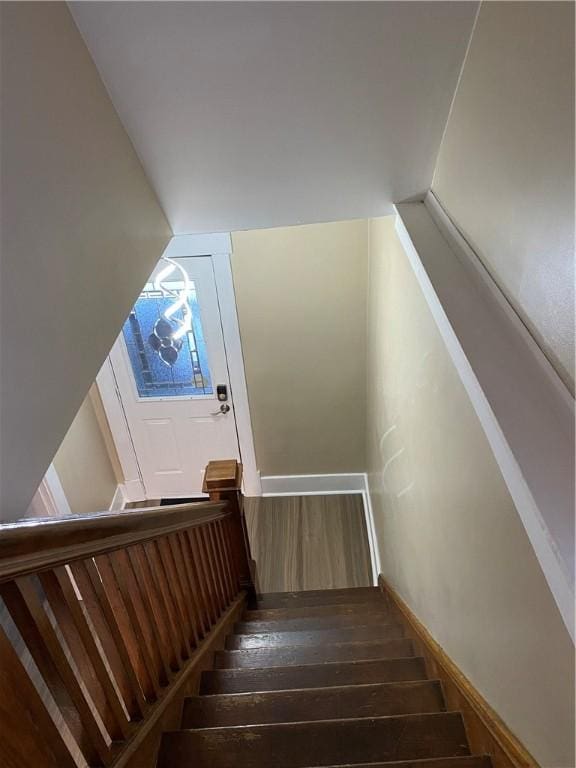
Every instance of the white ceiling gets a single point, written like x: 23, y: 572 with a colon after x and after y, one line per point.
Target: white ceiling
x: 253, y: 115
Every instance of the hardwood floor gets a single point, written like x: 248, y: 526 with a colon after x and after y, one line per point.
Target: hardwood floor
x: 309, y: 542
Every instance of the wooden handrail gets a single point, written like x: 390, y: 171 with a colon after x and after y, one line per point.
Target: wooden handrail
x: 33, y: 545
x: 115, y: 609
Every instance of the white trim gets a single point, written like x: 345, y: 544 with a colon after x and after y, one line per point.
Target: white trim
x: 311, y: 485
x: 50, y: 499
x: 181, y: 246
x: 471, y: 308
x: 236, y: 372
x: 52, y: 484
x: 455, y: 91
x: 328, y: 485
x: 119, y: 499
x: 371, y: 530
x: 106, y: 382
x: 473, y: 264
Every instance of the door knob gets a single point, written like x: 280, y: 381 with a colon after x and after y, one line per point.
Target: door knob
x: 224, y: 408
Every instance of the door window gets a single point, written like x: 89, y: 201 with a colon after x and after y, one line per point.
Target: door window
x: 165, y: 340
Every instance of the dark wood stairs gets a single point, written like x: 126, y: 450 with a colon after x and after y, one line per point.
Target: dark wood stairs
x: 323, y: 678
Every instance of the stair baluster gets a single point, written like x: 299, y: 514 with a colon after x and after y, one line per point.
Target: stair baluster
x: 103, y: 620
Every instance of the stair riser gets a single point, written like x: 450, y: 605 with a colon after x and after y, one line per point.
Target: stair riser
x: 320, y: 637
x: 314, y: 704
x: 282, y: 657
x: 359, y: 610
x: 312, y: 676
x: 321, y: 600
x: 326, y: 593
x: 297, y: 745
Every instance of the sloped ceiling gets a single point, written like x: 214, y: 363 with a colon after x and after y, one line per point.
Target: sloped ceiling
x: 253, y: 115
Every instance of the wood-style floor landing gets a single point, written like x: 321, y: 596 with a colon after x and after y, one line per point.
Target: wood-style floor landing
x: 309, y: 542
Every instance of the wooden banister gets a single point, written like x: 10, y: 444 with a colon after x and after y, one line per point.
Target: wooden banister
x: 33, y: 545
x: 223, y: 483
x: 114, y: 610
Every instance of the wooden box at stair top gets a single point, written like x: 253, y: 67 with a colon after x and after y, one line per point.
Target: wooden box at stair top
x: 222, y: 475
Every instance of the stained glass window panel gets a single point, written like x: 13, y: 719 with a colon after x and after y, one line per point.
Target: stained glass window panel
x: 189, y: 376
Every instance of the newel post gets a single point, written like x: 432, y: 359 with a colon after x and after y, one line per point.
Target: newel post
x: 223, y: 482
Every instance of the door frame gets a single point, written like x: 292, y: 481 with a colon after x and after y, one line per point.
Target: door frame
x: 219, y: 248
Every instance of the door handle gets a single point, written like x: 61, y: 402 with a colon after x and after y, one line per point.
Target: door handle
x: 224, y: 408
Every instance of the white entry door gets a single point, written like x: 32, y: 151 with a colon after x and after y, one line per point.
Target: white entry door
x: 171, y: 372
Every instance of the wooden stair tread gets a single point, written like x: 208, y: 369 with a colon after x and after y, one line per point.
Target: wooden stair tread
x: 337, y: 702
x: 312, y: 675
x: 315, y: 654
x: 320, y: 597
x: 320, y: 743
x: 319, y: 680
x: 314, y: 637
x: 305, y: 623
x: 466, y: 761
x: 378, y: 607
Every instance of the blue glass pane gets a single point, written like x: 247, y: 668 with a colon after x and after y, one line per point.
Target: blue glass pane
x: 189, y: 375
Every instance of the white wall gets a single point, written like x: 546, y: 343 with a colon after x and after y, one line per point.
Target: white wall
x: 301, y: 298
x: 81, y: 232
x: 451, y: 541
x: 505, y: 171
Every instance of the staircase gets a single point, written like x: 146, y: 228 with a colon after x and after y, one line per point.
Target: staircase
x: 323, y: 678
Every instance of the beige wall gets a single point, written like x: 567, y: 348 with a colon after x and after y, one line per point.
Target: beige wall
x: 301, y: 297
x: 451, y: 541
x: 81, y: 231
x: 505, y: 171
x: 83, y: 464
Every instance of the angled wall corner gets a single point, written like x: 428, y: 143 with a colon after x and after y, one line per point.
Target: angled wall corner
x: 505, y: 169
x: 524, y: 409
x: 84, y: 465
x: 301, y: 297
x: 82, y: 230
x: 451, y: 538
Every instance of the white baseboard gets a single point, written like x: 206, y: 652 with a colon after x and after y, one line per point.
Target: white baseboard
x: 304, y: 485
x: 371, y: 530
x: 320, y: 485
x: 119, y: 499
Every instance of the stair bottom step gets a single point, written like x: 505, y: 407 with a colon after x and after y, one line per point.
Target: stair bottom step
x: 321, y: 743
